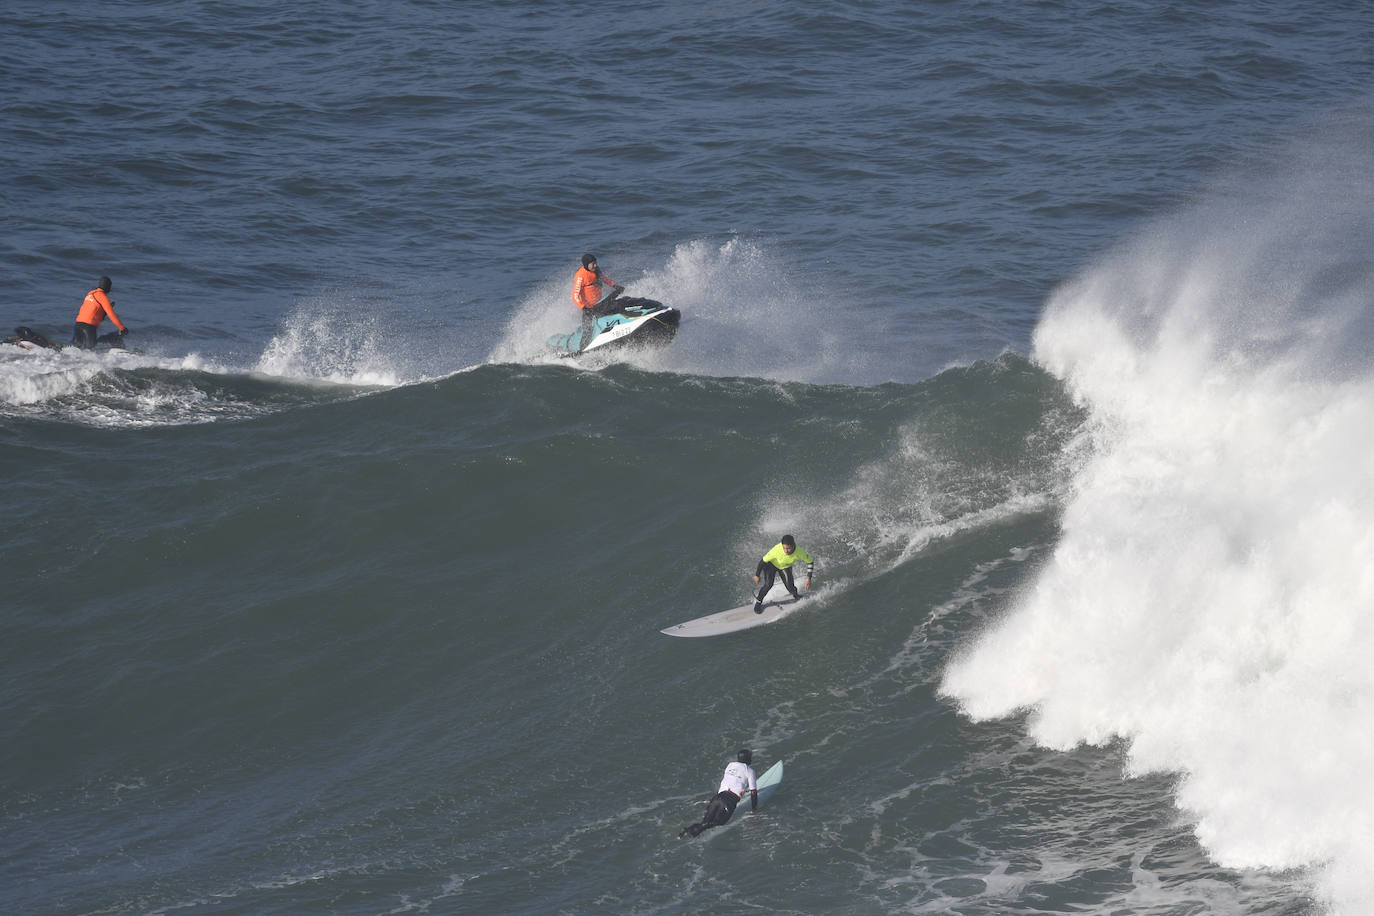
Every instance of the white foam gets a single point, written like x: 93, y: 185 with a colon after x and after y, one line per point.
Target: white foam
x: 1212, y: 597
x: 35, y: 377
x: 321, y: 342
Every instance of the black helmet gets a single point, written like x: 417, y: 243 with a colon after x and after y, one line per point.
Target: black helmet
x: 789, y: 541
x: 588, y: 260
x: 103, y: 284
x: 745, y: 756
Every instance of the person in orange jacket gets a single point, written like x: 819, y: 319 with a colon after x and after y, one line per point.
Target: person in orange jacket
x: 586, y: 295
x: 94, y: 308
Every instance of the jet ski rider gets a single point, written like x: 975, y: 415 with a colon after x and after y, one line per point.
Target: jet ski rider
x: 94, y: 308
x: 586, y: 295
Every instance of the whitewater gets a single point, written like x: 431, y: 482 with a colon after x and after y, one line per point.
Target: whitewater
x: 1209, y: 600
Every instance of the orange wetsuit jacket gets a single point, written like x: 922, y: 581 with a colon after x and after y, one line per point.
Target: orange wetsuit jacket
x: 587, y: 288
x: 95, y: 307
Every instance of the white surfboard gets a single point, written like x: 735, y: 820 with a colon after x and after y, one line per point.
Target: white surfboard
x: 739, y: 618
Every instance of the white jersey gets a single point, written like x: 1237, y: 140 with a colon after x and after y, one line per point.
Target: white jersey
x: 739, y: 777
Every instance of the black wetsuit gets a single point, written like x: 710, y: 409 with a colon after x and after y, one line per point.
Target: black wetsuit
x: 766, y: 573
x: 84, y: 336
x: 719, y: 810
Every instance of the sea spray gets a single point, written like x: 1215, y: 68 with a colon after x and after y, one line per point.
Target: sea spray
x: 1210, y: 598
x: 973, y: 449
x: 746, y: 311
x: 324, y: 339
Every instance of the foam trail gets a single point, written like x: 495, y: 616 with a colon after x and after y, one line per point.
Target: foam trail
x: 1211, y: 599
x: 92, y: 388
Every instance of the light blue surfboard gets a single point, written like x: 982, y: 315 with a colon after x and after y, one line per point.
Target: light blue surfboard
x: 768, y: 783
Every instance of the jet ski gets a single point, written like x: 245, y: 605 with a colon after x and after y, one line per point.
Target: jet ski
x: 635, y: 323
x: 29, y: 339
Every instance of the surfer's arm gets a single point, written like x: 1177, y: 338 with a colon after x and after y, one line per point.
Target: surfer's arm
x: 115, y: 318
x: 753, y: 799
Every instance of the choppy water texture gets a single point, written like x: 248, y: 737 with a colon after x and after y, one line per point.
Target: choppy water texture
x: 1045, y: 327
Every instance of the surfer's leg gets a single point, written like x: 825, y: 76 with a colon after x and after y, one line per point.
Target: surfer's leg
x: 765, y: 583
x: 728, y: 802
x: 707, y: 820
x: 588, y: 327
x: 787, y: 581
x: 718, y: 812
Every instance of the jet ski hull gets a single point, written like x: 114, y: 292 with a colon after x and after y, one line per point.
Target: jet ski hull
x: 638, y: 323
x: 28, y: 339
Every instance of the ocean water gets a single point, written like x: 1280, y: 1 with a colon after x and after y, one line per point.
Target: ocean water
x: 1045, y: 327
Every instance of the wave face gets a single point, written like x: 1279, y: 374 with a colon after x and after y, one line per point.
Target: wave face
x: 390, y: 647
x: 1209, y: 600
x: 344, y: 639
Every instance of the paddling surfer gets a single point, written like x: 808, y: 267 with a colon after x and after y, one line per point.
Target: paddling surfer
x: 738, y: 777
x: 780, y: 560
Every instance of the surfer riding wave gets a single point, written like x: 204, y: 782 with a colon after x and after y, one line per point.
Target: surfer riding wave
x: 779, y: 561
